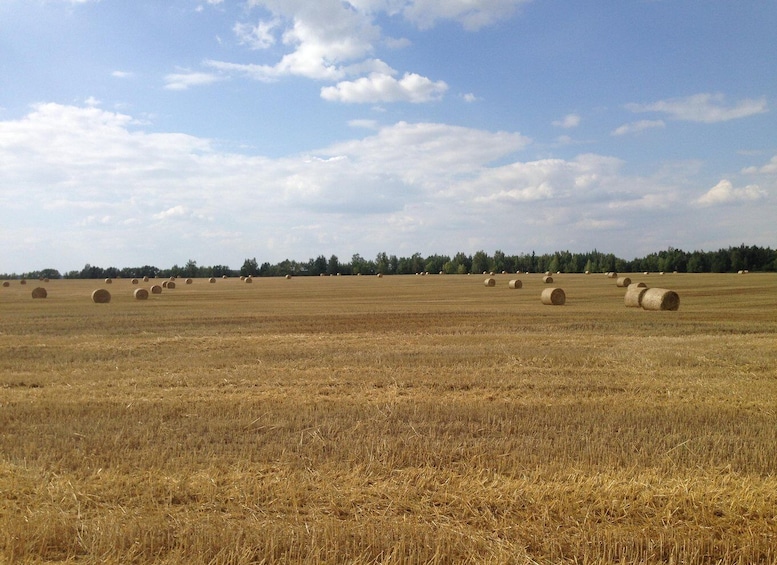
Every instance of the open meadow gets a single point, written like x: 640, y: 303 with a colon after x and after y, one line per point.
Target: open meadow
x: 402, y: 419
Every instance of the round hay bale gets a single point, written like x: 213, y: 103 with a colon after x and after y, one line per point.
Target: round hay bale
x: 108, y: 281
x: 612, y: 275
x: 547, y: 279
x: 156, y: 289
x: 380, y: 275
x: 660, y: 299
x: 515, y: 283
x: 553, y: 297
x: 548, y: 273
x: 145, y: 279
x: 223, y: 276
x: 623, y: 282
x: 39, y: 292
x: 489, y: 282
x: 140, y: 294
x: 22, y: 281
x: 165, y: 283
x: 249, y: 280
x: 170, y: 284
x: 46, y: 280
x: 6, y: 284
x: 189, y: 281
x: 212, y: 280
x: 289, y: 276
x: 135, y: 281
x: 101, y: 296
x: 638, y: 285
x: 634, y: 295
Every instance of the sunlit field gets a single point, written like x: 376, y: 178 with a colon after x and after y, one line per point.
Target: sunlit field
x: 403, y: 419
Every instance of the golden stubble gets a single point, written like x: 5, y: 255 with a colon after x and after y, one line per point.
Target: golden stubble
x: 403, y: 419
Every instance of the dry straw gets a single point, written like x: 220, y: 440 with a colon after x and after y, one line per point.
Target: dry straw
x: 156, y: 289
x: 101, y: 296
x: 39, y: 292
x: 165, y: 283
x: 553, y: 297
x: 634, y: 294
x: 212, y: 280
x: 189, y: 281
x: 140, y: 294
x: 249, y: 280
x: 515, y: 283
x: 612, y: 275
x: 170, y: 284
x: 660, y: 299
x: 623, y: 282
x: 108, y: 281
x: 6, y: 284
x: 547, y: 279
x: 489, y: 282
x: 135, y: 281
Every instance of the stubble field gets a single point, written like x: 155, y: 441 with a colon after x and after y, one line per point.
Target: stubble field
x: 403, y: 419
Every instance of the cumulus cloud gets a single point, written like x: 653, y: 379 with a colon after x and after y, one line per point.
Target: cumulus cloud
x: 379, y: 87
x: 256, y: 36
x: 725, y: 193
x: 569, y: 121
x: 768, y: 169
x: 183, y: 81
x: 705, y: 108
x: 636, y: 127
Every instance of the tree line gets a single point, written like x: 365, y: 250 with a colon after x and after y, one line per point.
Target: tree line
x: 732, y: 259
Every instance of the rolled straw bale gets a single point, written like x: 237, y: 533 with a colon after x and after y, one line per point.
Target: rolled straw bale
x: 165, y: 283
x: 660, y: 299
x: 108, y: 281
x: 101, y: 296
x: 170, y: 284
x: 140, y: 294
x: 212, y: 280
x: 223, y: 276
x: 189, y: 281
x: 156, y: 289
x: 548, y: 273
x: 515, y: 283
x: 249, y: 280
x: 135, y: 281
x: 623, y: 282
x: 289, y: 276
x: 489, y: 282
x: 380, y: 275
x: 6, y: 284
x: 39, y: 292
x: 145, y: 279
x: 634, y: 294
x: 553, y: 297
x: 612, y: 275
x: 547, y: 279
x: 22, y: 281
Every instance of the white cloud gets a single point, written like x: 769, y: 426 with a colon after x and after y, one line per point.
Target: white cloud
x: 259, y: 36
x: 569, y: 121
x: 470, y: 97
x: 182, y: 81
x: 725, y: 193
x: 768, y: 169
x: 122, y: 74
x: 705, y: 108
x: 636, y: 127
x: 378, y: 87
x: 472, y: 14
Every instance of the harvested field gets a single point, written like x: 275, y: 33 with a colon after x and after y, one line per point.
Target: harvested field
x: 401, y: 420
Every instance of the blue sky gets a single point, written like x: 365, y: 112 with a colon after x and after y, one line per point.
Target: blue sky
x: 140, y: 132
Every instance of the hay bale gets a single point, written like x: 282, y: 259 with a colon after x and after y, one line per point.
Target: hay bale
x: 145, y: 279
x: 140, y: 294
x: 156, y: 289
x: 108, y: 281
x: 612, y: 275
x: 515, y: 283
x: 489, y: 282
x: 223, y: 276
x: 22, y: 281
x: 249, y: 280
x: 135, y: 281
x: 46, y: 280
x: 39, y: 292
x: 553, y: 297
x: 101, y: 296
x: 637, y: 285
x: 634, y: 295
x: 623, y: 282
x: 289, y: 276
x: 165, y: 283
x: 380, y: 275
x: 6, y: 284
x: 548, y: 273
x: 660, y: 299
x: 547, y: 279
x: 212, y: 280
x: 189, y: 281
x: 170, y: 284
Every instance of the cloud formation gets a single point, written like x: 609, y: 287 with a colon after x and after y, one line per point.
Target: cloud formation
x: 725, y: 193
x: 704, y: 108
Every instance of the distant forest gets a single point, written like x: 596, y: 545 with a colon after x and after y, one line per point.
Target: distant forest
x: 733, y: 259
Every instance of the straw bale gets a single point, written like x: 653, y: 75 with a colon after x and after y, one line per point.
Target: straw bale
x: 39, y: 292
x: 553, y: 297
x: 170, y: 284
x: 634, y: 294
x: 623, y: 282
x: 212, y: 280
x: 547, y: 279
x: 22, y: 281
x: 145, y: 279
x: 660, y: 299
x: 101, y: 296
x: 189, y: 281
x: 135, y: 281
x: 249, y: 280
x: 108, y: 281
x: 489, y: 282
x: 165, y: 283
x: 515, y: 283
x: 6, y: 284
x: 156, y: 289
x: 140, y: 294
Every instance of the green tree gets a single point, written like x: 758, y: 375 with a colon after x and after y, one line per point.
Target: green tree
x: 333, y: 266
x: 250, y: 267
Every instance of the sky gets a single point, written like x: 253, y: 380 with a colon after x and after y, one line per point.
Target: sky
x: 151, y: 132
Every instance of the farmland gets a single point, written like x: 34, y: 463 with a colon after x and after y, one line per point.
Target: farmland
x: 403, y: 419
